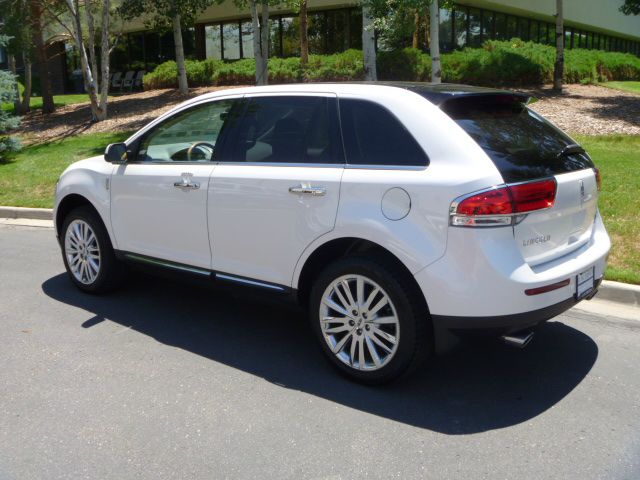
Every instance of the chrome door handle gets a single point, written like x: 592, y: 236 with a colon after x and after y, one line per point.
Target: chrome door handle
x: 308, y: 190
x: 187, y: 185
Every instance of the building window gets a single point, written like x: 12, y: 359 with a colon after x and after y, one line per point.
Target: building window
x: 475, y: 32
x: 246, y: 33
x: 460, y: 17
x: 231, y: 41
x: 212, y: 41
x: 446, y: 29
x: 500, y: 26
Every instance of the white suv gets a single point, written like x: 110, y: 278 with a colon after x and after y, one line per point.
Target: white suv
x: 395, y: 212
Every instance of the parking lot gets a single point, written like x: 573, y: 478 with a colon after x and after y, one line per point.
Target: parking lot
x: 169, y: 380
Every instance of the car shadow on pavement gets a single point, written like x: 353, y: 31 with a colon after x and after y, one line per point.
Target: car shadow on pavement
x: 483, y: 386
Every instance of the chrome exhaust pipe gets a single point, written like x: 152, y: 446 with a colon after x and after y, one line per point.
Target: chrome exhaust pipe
x: 518, y: 339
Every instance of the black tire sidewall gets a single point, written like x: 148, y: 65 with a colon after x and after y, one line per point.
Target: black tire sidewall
x: 408, y: 317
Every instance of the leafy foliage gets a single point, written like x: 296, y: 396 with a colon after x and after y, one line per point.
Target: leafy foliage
x: 506, y: 63
x: 7, y: 121
x: 631, y: 7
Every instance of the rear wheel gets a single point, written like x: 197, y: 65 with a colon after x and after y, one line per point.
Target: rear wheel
x: 87, y: 252
x: 369, y: 319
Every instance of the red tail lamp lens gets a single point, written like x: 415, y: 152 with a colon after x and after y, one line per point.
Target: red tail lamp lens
x: 492, y: 202
x: 528, y: 197
x: 512, y: 199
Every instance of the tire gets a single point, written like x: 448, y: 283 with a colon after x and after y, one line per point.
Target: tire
x: 83, y: 238
x: 404, y: 317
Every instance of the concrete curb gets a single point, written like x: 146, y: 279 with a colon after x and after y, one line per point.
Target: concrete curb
x: 611, y: 291
x: 619, y: 293
x: 30, y: 213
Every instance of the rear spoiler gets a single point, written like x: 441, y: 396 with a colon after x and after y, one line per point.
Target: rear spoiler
x: 455, y: 102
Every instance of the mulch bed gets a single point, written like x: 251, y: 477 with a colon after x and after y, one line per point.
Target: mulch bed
x: 581, y: 109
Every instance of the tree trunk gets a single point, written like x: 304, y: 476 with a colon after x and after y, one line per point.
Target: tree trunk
x: 304, y: 33
x: 89, y: 80
x: 17, y: 106
x: 415, y: 42
x: 105, y: 53
x: 255, y: 21
x: 558, y: 71
x: 434, y: 42
x: 183, y: 86
x: 368, y: 45
x: 264, y: 42
x: 91, y: 38
x: 41, y: 56
x: 26, y: 95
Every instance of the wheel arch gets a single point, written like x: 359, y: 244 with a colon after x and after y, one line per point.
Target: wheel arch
x: 70, y: 202
x: 343, y: 247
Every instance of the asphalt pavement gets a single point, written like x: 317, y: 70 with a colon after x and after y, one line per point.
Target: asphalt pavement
x: 164, y: 380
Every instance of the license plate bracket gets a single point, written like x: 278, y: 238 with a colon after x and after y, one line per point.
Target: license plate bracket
x: 585, y: 283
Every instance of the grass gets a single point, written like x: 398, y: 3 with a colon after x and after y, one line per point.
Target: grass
x: 28, y: 180
x: 618, y: 158
x: 58, y: 100
x: 633, y: 87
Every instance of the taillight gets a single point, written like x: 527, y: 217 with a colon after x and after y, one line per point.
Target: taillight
x: 598, y: 178
x: 500, y: 205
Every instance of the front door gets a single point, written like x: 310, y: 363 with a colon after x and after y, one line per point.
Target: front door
x: 276, y: 186
x: 159, y: 198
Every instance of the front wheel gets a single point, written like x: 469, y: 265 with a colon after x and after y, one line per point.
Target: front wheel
x: 87, y: 252
x: 369, y: 319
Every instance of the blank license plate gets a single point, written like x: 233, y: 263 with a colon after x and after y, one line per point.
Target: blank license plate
x: 584, y: 282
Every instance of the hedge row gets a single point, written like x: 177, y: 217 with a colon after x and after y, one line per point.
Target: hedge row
x: 508, y: 63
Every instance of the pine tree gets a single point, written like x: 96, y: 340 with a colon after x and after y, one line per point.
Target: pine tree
x: 7, y: 121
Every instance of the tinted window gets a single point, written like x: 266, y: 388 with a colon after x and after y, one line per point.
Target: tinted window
x: 187, y: 136
x: 522, y: 144
x: 373, y: 136
x: 287, y: 129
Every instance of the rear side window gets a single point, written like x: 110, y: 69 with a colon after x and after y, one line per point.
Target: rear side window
x: 522, y: 144
x: 288, y: 129
x: 374, y: 136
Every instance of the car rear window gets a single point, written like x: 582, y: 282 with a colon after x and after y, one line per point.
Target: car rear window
x: 522, y: 144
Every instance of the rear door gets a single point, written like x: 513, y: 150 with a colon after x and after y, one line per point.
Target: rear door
x: 525, y: 147
x: 276, y: 186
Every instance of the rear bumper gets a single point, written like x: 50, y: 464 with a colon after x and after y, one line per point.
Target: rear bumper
x: 481, y: 280
x: 503, y: 324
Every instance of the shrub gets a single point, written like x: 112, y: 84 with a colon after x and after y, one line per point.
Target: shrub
x: 497, y: 63
x: 199, y: 73
x: 408, y: 64
x: 339, y: 67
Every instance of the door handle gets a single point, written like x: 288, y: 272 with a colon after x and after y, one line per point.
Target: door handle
x: 187, y: 185
x: 308, y: 190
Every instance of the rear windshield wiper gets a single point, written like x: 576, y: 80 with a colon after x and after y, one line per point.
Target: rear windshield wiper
x: 571, y: 149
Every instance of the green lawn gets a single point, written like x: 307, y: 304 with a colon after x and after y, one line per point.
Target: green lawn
x: 618, y: 158
x: 28, y: 180
x: 633, y: 87
x: 58, y: 100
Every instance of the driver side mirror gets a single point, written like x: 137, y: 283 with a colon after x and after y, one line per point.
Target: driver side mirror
x: 116, y: 153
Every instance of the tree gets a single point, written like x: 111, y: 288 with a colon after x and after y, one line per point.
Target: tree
x: 17, y: 27
x: 369, y: 43
x: 558, y: 71
x: 165, y: 14
x: 631, y: 7
x: 304, y: 33
x: 434, y: 41
x: 7, y: 121
x: 97, y: 87
x: 37, y: 31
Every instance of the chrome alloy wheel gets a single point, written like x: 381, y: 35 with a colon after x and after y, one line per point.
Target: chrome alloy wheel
x: 359, y: 322
x: 83, y: 251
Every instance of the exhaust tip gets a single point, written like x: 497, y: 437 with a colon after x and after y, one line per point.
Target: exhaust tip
x: 518, y: 339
